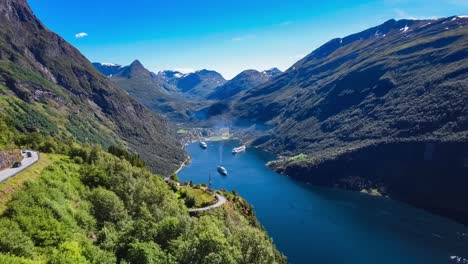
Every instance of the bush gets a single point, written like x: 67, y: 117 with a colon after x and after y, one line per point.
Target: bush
x: 189, y: 201
x: 174, y: 177
x: 107, y: 206
x: 120, y: 152
x: 147, y: 253
x: 94, y: 176
x: 13, y: 240
x: 14, y: 260
x: 68, y: 253
x: 78, y: 160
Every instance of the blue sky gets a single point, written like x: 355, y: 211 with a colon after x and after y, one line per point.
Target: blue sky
x: 224, y: 35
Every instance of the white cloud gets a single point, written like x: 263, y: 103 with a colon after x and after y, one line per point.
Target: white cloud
x: 81, y: 35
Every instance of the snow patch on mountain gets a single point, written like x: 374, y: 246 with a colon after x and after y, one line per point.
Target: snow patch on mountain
x: 404, y: 29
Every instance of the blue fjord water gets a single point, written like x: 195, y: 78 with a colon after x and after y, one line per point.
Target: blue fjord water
x: 319, y: 225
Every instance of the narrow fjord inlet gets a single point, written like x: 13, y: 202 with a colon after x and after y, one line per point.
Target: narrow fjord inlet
x: 326, y: 225
x: 234, y: 132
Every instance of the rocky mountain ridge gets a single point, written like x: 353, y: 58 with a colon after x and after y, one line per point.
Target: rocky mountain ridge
x: 48, y: 86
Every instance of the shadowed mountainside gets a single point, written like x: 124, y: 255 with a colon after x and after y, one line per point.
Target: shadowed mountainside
x: 381, y: 91
x: 244, y: 81
x: 48, y: 86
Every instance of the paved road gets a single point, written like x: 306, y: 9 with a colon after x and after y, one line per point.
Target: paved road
x: 8, y: 173
x: 221, y: 200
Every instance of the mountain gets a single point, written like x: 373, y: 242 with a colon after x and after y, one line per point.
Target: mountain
x: 198, y: 84
x: 381, y: 109
x: 171, y: 77
x: 107, y: 69
x: 152, y: 90
x: 244, y: 81
x: 48, y: 86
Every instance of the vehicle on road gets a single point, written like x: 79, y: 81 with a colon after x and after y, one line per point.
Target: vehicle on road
x: 17, y: 164
x: 28, y: 154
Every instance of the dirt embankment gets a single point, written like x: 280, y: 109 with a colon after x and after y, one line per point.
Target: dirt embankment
x: 8, y: 157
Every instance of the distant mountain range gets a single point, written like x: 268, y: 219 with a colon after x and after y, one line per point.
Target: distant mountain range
x: 246, y: 80
x: 198, y: 84
x: 177, y: 95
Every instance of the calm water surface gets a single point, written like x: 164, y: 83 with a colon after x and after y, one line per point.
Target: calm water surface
x: 318, y: 225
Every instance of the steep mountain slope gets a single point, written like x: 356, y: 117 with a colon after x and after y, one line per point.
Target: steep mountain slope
x: 200, y: 83
x: 384, y: 108
x: 242, y: 82
x: 46, y: 85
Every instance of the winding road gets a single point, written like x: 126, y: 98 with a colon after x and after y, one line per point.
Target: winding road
x: 26, y: 162
x: 221, y: 200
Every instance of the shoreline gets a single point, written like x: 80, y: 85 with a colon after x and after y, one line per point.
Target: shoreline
x: 184, y: 164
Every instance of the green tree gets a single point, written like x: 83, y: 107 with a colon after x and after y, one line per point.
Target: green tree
x: 170, y: 228
x: 107, y: 206
x: 68, y: 253
x: 205, y: 244
x: 94, y: 176
x: 255, y: 247
x: 189, y: 201
x: 147, y: 253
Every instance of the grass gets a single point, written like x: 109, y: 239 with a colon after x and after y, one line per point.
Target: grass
x: 374, y: 192
x: 300, y: 157
x: 202, y: 198
x: 224, y: 136
x: 16, y: 183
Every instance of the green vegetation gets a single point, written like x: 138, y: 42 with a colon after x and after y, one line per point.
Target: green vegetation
x: 82, y: 204
x: 300, y: 157
x: 196, y: 197
x: 14, y: 184
x: 182, y: 131
x: 224, y: 136
x: 120, y: 152
x: 93, y: 206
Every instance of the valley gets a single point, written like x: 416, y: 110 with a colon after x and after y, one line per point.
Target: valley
x: 357, y: 152
x: 383, y: 109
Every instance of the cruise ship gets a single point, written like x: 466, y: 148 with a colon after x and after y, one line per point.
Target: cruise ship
x: 222, y: 170
x: 203, y: 145
x: 238, y: 149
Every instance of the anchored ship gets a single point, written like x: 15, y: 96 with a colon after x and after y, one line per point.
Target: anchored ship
x: 238, y: 150
x: 222, y: 170
x: 203, y: 145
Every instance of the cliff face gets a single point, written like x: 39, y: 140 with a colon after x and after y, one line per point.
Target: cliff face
x: 61, y: 93
x: 362, y: 109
